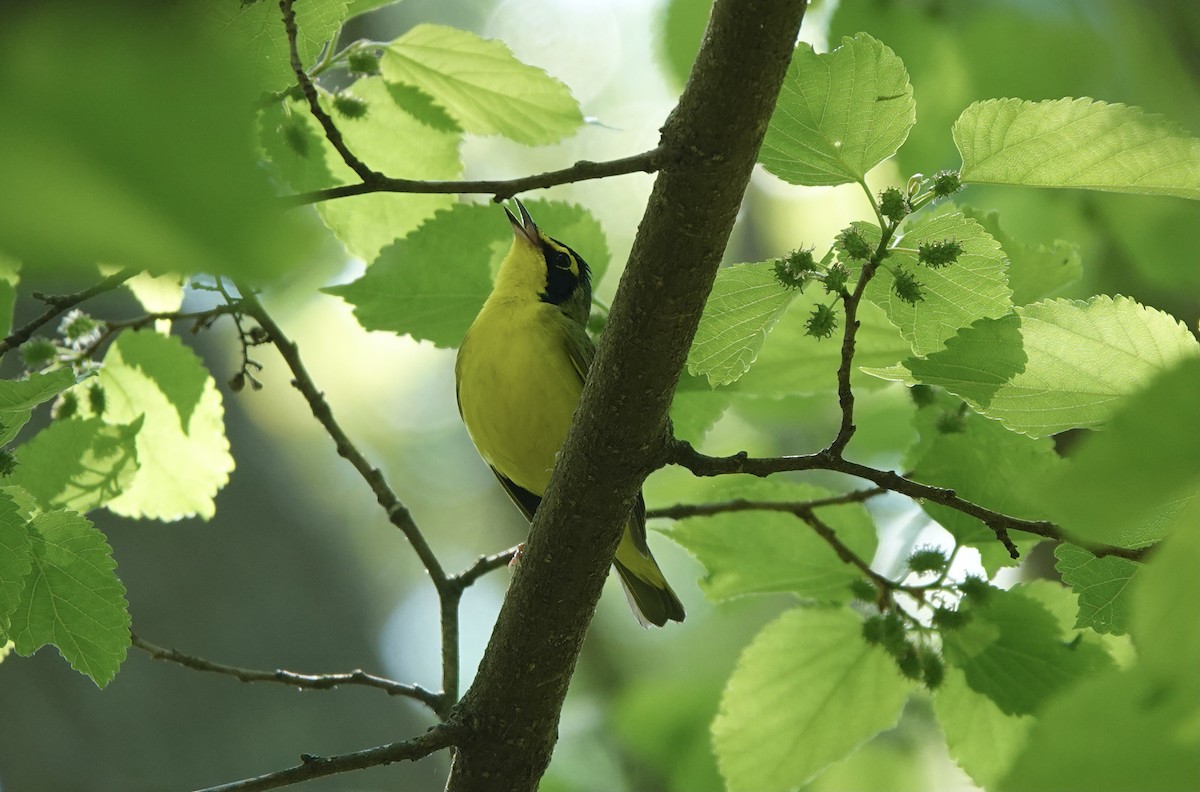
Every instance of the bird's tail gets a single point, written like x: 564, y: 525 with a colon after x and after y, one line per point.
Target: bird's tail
x: 650, y: 596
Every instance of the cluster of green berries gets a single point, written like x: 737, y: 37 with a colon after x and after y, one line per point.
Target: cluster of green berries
x: 890, y: 628
x: 796, y: 269
x: 914, y: 661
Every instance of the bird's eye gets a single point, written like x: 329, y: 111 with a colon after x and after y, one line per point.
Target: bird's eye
x: 559, y: 260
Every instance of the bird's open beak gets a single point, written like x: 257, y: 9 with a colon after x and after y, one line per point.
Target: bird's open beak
x: 523, y: 228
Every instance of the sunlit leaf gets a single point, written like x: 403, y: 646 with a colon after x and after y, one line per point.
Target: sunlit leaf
x: 956, y: 295
x: 1079, y: 143
x: 756, y: 552
x: 77, y: 464
x: 72, y: 597
x: 1055, y: 365
x: 839, y: 114
x: 804, y: 694
x: 181, y: 466
x: 745, y: 303
x: 482, y: 85
x: 792, y: 362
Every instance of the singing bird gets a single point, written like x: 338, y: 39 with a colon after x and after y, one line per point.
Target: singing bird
x: 519, y: 375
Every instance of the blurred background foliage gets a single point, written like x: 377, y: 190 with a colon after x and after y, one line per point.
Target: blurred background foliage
x: 300, y: 570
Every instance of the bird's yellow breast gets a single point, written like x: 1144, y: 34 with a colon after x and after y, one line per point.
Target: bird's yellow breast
x: 517, y: 388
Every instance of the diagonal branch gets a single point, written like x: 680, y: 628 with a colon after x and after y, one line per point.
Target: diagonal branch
x: 499, y: 189
x: 513, y: 707
x: 849, y: 336
x: 332, y: 134
x: 303, y: 382
x: 60, y: 303
x: 306, y: 681
x: 682, y: 453
x: 449, y: 593
x: 684, y: 510
x: 437, y: 738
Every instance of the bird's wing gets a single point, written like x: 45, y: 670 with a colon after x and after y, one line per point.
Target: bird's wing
x: 525, y: 500
x: 581, y: 351
x: 579, y: 347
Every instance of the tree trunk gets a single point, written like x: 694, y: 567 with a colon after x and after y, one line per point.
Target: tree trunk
x: 712, y: 139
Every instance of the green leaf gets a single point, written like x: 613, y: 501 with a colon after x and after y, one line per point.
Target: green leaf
x: 157, y: 294
x: 78, y: 464
x: 170, y: 364
x: 181, y: 467
x: 257, y: 29
x: 839, y: 114
x: 410, y: 289
x: 1013, y: 651
x: 1164, y: 596
x: 1124, y: 484
x: 745, y: 303
x: 696, y: 407
x: 144, y: 158
x: 981, y: 738
x: 37, y: 388
x: 1079, y: 143
x: 757, y: 552
x: 16, y: 559
x: 482, y: 85
x: 792, y: 362
x: 956, y: 295
x: 421, y: 106
x: 1113, y: 733
x: 72, y: 597
x: 683, y: 24
x: 804, y: 694
x: 1035, y: 272
x: 8, y: 292
x: 1102, y: 585
x: 1055, y: 365
x: 988, y: 465
x: 296, y: 146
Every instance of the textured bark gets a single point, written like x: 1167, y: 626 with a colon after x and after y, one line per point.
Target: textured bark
x: 711, y: 141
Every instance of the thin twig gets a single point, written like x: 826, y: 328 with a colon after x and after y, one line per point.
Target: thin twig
x: 306, y: 681
x: 438, y: 737
x: 849, y: 335
x: 682, y: 453
x: 448, y: 593
x: 499, y: 189
x: 314, y: 102
x: 884, y: 585
x: 684, y: 510
x: 114, y: 327
x: 57, y: 304
x: 303, y: 382
x: 482, y: 566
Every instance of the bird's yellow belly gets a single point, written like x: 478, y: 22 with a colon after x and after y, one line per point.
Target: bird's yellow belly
x: 518, y: 391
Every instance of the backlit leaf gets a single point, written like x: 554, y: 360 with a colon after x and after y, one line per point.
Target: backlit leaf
x: 839, y: 114
x: 1079, y: 143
